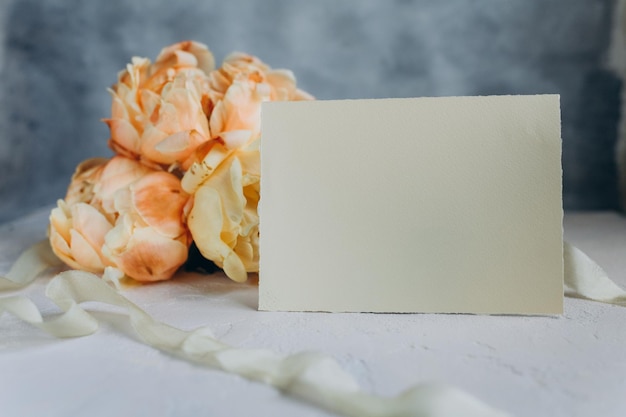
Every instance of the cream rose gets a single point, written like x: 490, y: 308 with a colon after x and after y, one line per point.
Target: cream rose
x: 223, y: 175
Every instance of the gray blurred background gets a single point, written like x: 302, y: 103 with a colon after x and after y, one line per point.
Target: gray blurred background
x: 57, y: 57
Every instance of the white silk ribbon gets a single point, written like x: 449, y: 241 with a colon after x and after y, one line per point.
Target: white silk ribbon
x: 587, y: 279
x: 29, y: 265
x: 312, y: 377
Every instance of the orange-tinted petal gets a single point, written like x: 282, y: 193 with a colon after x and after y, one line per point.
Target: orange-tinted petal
x: 149, y: 256
x: 124, y: 135
x: 85, y: 256
x: 118, y: 173
x: 159, y: 200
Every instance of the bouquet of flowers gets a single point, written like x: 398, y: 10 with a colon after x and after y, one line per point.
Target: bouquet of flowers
x: 186, y: 170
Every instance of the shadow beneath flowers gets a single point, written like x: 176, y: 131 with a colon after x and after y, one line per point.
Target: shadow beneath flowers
x: 217, y: 287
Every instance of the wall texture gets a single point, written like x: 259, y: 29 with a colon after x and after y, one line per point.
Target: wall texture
x: 57, y: 57
x: 617, y: 61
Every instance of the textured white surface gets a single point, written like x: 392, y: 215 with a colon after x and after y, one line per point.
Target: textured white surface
x: 573, y: 365
x: 434, y: 204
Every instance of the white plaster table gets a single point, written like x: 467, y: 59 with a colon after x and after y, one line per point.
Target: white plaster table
x: 567, y: 366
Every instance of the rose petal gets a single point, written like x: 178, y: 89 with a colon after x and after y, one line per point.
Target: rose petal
x: 203, y: 58
x: 239, y: 110
x: 118, y: 173
x: 236, y: 138
x: 124, y: 135
x: 176, y: 143
x: 234, y: 268
x: 59, y: 220
x: 159, y: 200
x: 205, y: 223
x: 149, y: 256
x: 84, y: 254
x: 91, y: 224
x: 61, y: 248
x: 216, y: 218
x: 200, y: 172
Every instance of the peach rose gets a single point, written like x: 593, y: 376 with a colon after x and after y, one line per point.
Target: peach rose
x: 77, y: 234
x: 236, y: 91
x: 159, y: 111
x: 150, y: 240
x: 77, y: 228
x: 119, y: 173
x: 86, y: 175
x: 281, y: 82
x: 122, y: 214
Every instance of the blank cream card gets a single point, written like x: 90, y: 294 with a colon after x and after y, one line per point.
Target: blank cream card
x: 412, y: 205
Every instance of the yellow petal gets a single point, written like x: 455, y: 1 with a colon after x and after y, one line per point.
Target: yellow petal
x: 234, y: 268
x: 198, y: 173
x: 205, y: 224
x: 250, y: 158
x: 217, y: 217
